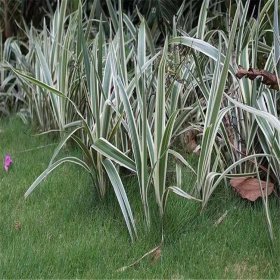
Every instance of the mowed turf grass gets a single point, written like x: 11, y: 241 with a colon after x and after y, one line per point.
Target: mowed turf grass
x: 64, y: 231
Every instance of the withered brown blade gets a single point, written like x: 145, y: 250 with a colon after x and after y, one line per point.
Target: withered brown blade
x: 241, y: 72
x: 253, y: 73
x: 268, y: 78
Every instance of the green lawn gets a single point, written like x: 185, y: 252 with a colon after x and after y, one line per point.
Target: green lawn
x: 63, y: 231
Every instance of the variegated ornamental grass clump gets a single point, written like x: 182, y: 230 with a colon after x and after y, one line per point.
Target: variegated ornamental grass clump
x: 129, y: 116
x: 243, y: 114
x: 11, y: 100
x: 123, y: 99
x: 52, y: 57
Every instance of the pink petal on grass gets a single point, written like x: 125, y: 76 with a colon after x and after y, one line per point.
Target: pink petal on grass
x: 7, y: 162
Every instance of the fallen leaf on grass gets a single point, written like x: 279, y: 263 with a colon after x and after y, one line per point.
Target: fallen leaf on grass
x: 249, y: 188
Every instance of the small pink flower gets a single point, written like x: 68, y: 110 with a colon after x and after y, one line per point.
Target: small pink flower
x: 7, y: 162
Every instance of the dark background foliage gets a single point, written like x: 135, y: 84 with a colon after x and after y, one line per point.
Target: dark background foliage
x: 13, y: 12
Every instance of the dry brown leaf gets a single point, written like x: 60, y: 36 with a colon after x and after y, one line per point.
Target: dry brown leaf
x: 189, y: 141
x: 249, y: 188
x: 268, y: 78
x: 18, y: 225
